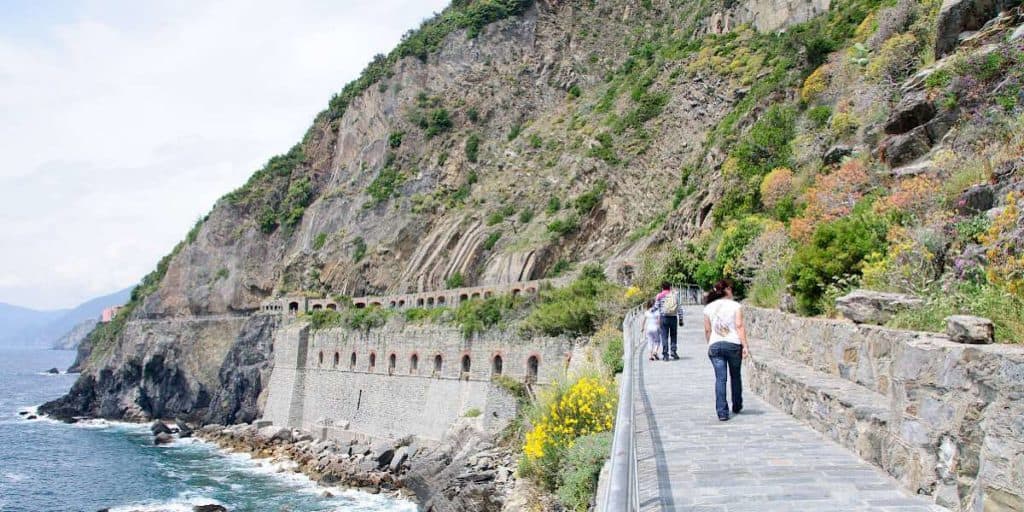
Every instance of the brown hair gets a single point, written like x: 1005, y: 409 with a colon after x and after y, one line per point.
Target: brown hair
x: 718, y: 291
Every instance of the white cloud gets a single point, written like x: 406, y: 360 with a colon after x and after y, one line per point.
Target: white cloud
x: 122, y: 122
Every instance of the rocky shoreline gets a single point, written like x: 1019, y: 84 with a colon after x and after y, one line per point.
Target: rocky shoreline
x: 464, y: 472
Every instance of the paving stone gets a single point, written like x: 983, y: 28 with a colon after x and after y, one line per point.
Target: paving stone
x: 761, y: 460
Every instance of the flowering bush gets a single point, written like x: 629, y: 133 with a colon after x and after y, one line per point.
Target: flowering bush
x: 815, y: 84
x: 776, y: 187
x: 587, y: 407
x: 832, y: 196
x: 1005, y: 248
x: 915, y: 196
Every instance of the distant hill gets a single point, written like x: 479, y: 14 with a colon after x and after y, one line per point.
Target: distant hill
x: 32, y: 328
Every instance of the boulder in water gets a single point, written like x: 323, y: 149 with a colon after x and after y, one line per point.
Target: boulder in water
x: 32, y: 417
x: 183, y: 429
x: 163, y: 438
x: 53, y: 371
x: 209, y: 508
x: 158, y: 427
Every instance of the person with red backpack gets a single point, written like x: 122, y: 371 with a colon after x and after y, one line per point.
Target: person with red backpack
x: 667, y: 304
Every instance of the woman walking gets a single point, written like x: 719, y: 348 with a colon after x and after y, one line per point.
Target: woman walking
x: 727, y: 345
x: 651, y: 329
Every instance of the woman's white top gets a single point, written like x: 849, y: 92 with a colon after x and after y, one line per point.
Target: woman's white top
x: 722, y: 315
x: 653, y: 320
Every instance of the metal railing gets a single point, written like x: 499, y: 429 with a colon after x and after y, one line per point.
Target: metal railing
x: 623, y: 493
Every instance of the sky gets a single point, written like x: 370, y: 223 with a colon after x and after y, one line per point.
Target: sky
x: 122, y: 122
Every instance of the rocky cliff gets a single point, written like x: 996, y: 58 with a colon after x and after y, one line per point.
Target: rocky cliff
x: 507, y: 136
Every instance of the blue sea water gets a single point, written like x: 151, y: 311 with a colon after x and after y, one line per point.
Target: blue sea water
x: 50, y: 466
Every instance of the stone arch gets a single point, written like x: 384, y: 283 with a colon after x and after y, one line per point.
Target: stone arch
x: 531, y: 290
x: 373, y: 361
x: 532, y: 368
x: 440, y: 301
x: 320, y: 360
x: 414, y: 363
x: 488, y: 294
x: 293, y: 307
x: 359, y: 305
x: 332, y: 306
x: 401, y: 303
x: 438, y: 365
x: 496, y: 363
x: 392, y: 362
x: 467, y: 365
x: 476, y: 295
x: 317, y: 307
x: 392, y: 304
x: 430, y: 301
x: 352, y: 361
x: 337, y: 359
x: 516, y: 292
x: 419, y: 302
x: 375, y: 303
x: 463, y: 297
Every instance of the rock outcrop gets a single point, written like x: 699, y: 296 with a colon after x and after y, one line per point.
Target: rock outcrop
x: 871, y: 307
x: 958, y: 16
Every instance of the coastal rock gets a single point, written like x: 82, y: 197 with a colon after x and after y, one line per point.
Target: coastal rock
x: 209, y: 508
x: 159, y: 427
x: 53, y: 371
x: 836, y: 154
x: 401, y: 455
x: 31, y: 417
x: 163, y: 438
x: 272, y: 433
x: 976, y: 199
x: 871, y: 307
x: 183, y: 429
x: 970, y: 329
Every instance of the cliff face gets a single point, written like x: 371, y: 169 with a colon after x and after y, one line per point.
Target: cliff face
x: 568, y: 130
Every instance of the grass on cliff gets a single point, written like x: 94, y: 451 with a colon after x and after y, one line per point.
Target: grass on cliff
x: 1004, y: 309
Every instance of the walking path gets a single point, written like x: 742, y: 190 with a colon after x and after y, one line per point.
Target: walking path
x: 761, y: 460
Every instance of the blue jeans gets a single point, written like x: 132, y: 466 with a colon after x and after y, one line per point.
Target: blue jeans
x: 669, y: 332
x: 725, y: 355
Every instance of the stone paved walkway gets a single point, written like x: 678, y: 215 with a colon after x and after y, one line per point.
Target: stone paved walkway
x: 761, y: 460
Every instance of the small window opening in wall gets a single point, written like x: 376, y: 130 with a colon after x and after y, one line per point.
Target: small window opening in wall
x: 293, y: 307
x: 337, y: 359
x: 392, y: 360
x: 414, y: 363
x: 463, y: 297
x: 352, y: 361
x: 438, y: 362
x: 440, y: 301
x: 465, y: 366
x: 332, y: 307
x: 373, y: 360
x: 532, y: 366
x: 320, y: 361
x: 317, y: 307
x: 496, y: 365
x: 430, y: 301
x: 359, y: 400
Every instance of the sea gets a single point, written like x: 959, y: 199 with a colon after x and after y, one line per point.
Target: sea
x: 46, y: 465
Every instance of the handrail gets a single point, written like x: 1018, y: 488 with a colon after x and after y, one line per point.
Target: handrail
x: 622, y: 493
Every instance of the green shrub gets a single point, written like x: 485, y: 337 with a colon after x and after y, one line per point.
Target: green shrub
x: 980, y: 299
x: 477, y: 315
x: 222, y: 273
x: 383, y: 187
x: 896, y: 59
x: 605, y: 150
x: 536, y: 142
x: 563, y: 227
x: 939, y: 79
x: 574, y: 91
x: 494, y: 218
x: 416, y: 315
x: 526, y: 216
x: 491, y: 240
x: 766, y: 145
x: 472, y: 147
x: 351, y: 318
x: 358, y: 249
x: 395, y: 139
x: 573, y: 310
x: 554, y: 204
x: 580, y: 468
x: 267, y: 220
x: 837, y: 250
x: 438, y: 122
x: 612, y: 355
x: 473, y: 115
x: 514, y: 132
x: 734, y: 239
x: 649, y: 106
x: 319, y: 241
x: 472, y: 413
x: 819, y: 116
x: 560, y: 267
x: 589, y: 200
x: 454, y: 281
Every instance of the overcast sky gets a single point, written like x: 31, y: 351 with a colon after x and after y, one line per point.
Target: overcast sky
x: 121, y: 122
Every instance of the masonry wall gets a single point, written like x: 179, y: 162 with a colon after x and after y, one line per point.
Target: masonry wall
x: 954, y: 424
x: 316, y: 386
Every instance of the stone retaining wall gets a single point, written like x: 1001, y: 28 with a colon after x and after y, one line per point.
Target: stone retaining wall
x: 387, y: 383
x: 945, y: 419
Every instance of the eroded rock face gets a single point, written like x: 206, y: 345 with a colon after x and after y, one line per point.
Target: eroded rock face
x: 912, y: 111
x: 973, y: 330
x: 871, y: 307
x: 957, y: 16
